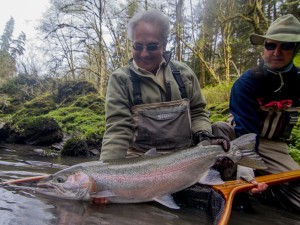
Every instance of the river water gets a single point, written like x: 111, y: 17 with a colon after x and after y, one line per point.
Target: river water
x: 20, y: 205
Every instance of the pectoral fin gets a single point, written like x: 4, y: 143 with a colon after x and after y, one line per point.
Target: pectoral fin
x: 167, y: 200
x: 211, y: 177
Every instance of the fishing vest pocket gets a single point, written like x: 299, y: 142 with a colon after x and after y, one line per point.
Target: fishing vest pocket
x: 164, y: 126
x: 277, y: 124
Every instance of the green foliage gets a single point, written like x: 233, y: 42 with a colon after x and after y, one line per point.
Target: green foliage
x: 297, y: 60
x: 217, y: 98
x: 295, y: 153
x: 219, y: 93
x: 294, y: 141
x: 219, y: 111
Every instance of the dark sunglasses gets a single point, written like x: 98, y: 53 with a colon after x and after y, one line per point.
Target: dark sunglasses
x: 283, y: 46
x: 149, y: 47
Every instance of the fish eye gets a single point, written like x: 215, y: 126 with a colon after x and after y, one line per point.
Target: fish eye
x: 60, y: 180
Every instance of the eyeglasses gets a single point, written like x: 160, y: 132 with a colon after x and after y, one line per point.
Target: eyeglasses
x: 286, y: 46
x: 149, y: 47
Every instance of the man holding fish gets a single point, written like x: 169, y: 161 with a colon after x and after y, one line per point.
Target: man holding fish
x: 158, y: 138
x: 155, y: 102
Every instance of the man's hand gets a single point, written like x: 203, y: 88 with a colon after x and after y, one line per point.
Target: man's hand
x: 204, y: 138
x: 247, y: 174
x: 100, y: 201
x: 259, y: 187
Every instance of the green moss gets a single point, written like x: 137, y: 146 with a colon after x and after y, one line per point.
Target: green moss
x: 34, y: 123
x: 76, y: 146
x: 218, y: 93
x: 38, y: 106
x: 9, y: 104
x: 35, y: 130
x: 70, y: 90
x: 218, y: 112
x: 91, y: 101
x: 79, y: 120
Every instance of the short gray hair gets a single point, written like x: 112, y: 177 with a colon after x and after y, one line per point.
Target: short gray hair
x: 152, y: 16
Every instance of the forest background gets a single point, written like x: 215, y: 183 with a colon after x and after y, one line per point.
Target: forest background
x: 83, y: 41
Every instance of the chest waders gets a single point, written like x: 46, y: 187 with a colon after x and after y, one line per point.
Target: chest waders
x: 163, y: 125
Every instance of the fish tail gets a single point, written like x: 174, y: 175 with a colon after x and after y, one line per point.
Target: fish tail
x: 249, y: 157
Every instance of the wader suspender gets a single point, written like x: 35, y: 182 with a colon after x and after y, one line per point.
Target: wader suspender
x: 177, y: 76
x: 136, y: 84
x: 137, y: 94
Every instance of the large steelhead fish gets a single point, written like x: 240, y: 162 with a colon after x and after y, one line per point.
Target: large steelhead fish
x: 151, y: 177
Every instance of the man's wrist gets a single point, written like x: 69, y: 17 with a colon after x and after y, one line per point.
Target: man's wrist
x: 202, y: 135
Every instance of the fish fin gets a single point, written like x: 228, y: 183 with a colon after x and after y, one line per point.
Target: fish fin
x: 167, y: 200
x: 249, y: 157
x: 211, y: 177
x: 152, y: 152
x: 102, y: 194
x: 246, y: 141
x: 252, y: 159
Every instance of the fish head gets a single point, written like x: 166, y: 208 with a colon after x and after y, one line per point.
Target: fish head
x: 67, y: 184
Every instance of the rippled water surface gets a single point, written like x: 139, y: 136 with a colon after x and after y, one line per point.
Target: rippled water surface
x: 20, y: 205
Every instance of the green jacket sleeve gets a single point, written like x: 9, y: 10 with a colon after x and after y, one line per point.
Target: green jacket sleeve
x: 119, y: 129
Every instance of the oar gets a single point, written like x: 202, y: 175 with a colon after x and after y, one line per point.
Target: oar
x: 230, y: 188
